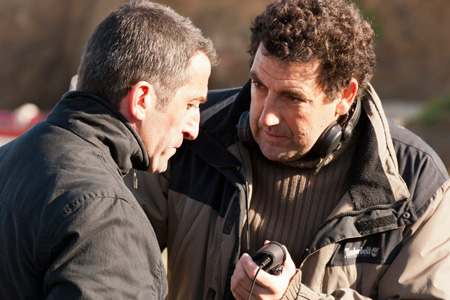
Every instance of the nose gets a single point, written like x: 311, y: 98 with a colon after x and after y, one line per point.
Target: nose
x: 269, y: 114
x: 190, y: 129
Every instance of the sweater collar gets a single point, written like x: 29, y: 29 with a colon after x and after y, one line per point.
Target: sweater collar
x: 97, y: 121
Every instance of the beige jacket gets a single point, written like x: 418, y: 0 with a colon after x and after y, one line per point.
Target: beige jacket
x: 388, y: 238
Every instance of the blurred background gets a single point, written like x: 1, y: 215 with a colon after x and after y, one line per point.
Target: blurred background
x: 42, y: 41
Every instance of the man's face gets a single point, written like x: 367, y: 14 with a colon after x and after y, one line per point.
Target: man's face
x: 166, y: 127
x: 289, y: 110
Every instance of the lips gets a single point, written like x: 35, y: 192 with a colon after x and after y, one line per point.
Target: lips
x: 272, y: 137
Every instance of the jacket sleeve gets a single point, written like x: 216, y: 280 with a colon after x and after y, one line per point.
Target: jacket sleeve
x: 422, y: 267
x: 151, y: 193
x: 104, y: 248
x: 419, y: 271
x: 297, y: 291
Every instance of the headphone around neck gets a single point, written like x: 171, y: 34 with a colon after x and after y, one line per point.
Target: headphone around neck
x: 329, y: 141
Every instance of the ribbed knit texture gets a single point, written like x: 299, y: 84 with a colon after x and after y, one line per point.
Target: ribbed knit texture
x: 289, y: 204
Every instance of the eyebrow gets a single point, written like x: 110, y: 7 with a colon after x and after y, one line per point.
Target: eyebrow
x: 201, y: 100
x: 254, y: 76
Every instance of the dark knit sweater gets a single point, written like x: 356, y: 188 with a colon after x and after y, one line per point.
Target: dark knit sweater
x: 289, y: 204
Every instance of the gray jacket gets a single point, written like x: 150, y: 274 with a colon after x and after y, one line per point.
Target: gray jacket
x: 69, y: 227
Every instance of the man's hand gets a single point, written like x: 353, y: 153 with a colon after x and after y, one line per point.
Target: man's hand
x: 266, y: 286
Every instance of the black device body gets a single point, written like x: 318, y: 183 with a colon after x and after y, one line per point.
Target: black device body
x: 271, y: 257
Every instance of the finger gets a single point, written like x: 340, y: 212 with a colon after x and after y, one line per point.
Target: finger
x: 240, y: 281
x: 239, y: 292
x: 249, y: 266
x: 243, y: 292
x: 275, y: 285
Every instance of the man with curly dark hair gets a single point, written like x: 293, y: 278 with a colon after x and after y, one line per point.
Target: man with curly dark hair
x: 334, y: 34
x: 304, y: 155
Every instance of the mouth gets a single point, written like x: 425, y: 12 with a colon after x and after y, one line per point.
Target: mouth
x: 273, y: 137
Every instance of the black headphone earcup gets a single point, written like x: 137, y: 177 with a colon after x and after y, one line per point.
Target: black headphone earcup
x: 348, y: 128
x: 331, y: 137
x: 329, y: 140
x: 243, y: 127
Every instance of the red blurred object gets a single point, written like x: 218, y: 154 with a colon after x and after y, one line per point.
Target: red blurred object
x: 15, y: 122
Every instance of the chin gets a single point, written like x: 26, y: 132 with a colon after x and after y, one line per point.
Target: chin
x: 273, y: 156
x: 160, y: 169
x: 157, y: 166
x: 281, y: 157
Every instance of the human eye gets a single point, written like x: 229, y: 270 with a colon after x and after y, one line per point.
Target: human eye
x: 193, y: 106
x: 258, y: 85
x: 295, y: 99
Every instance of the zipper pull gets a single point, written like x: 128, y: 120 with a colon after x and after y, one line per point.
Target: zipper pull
x: 135, y: 180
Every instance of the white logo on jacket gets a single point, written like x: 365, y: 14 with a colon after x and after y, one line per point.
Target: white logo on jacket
x: 361, y: 252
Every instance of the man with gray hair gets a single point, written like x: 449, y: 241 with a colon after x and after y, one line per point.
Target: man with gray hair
x: 69, y: 227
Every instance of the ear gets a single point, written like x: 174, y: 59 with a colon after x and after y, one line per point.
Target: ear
x: 347, y: 97
x: 142, y: 98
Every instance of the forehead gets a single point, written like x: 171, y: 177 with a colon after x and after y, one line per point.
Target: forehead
x: 196, y: 87
x: 274, y: 71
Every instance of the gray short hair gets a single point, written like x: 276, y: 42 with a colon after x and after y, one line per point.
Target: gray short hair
x: 140, y: 41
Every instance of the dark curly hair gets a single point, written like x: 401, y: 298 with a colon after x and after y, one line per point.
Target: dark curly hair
x: 330, y: 31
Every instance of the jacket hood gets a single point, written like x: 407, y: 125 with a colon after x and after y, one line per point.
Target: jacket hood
x: 97, y: 121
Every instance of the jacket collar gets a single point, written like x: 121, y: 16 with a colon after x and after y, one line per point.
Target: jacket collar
x: 97, y: 121
x: 374, y: 178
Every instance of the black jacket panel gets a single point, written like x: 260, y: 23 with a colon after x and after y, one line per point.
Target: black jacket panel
x: 69, y: 227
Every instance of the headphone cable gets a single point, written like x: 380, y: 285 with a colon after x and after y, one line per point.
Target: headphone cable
x: 264, y: 263
x: 253, y: 283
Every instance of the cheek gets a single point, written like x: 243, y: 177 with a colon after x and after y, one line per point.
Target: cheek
x: 302, y: 127
x: 314, y: 130
x: 253, y: 120
x: 299, y: 131
x: 256, y: 108
x: 175, y: 117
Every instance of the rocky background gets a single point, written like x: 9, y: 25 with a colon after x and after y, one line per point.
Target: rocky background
x: 41, y: 43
